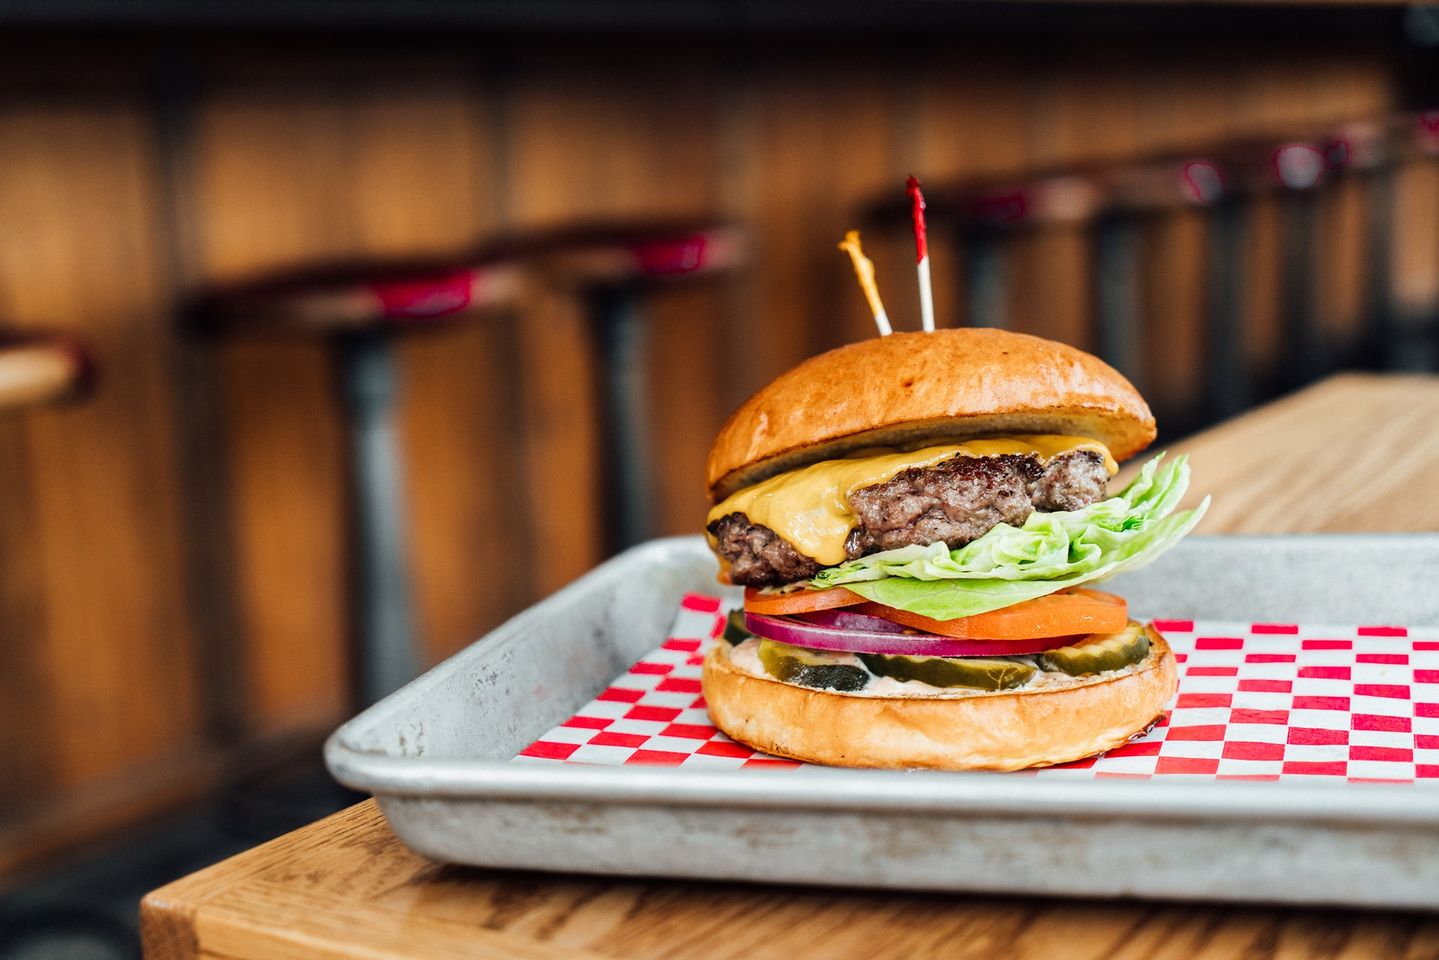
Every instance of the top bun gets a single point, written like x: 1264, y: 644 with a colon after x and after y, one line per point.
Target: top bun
x: 921, y: 387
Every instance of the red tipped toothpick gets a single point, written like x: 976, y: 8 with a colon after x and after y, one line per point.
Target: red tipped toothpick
x: 921, y: 253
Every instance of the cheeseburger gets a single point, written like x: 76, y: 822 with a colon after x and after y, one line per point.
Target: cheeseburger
x: 919, y: 521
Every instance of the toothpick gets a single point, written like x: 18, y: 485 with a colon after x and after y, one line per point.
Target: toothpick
x: 864, y: 270
x: 921, y: 252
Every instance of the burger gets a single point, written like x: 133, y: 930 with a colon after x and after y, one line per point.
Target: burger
x: 919, y: 522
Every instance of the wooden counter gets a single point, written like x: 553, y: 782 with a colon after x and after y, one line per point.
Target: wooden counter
x: 1354, y: 453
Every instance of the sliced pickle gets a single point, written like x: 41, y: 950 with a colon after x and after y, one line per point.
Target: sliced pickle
x: 980, y: 672
x: 1099, y: 652
x: 734, y: 628
x: 809, y: 668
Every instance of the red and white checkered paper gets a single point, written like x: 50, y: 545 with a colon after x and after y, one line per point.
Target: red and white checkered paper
x: 1257, y: 701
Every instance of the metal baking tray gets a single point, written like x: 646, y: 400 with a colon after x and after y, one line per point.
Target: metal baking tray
x: 437, y: 753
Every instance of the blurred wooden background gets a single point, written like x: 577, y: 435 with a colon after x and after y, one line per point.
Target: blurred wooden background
x: 132, y: 173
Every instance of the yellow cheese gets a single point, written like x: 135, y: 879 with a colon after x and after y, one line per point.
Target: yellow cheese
x: 809, y: 506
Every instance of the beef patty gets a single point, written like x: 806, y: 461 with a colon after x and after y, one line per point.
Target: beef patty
x: 955, y: 501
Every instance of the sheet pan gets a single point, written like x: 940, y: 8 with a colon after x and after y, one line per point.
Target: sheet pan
x: 436, y: 755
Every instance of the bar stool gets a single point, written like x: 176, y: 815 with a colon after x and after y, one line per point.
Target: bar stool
x: 41, y: 369
x: 363, y: 307
x: 614, y: 271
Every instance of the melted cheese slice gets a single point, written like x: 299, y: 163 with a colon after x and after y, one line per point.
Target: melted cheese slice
x: 809, y: 506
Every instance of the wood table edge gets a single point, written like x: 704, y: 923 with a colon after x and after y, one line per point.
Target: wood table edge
x: 167, y: 913
x: 179, y: 920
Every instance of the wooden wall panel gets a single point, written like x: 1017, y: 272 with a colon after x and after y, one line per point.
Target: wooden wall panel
x: 1050, y: 294
x: 630, y: 144
x: 462, y: 418
x: 820, y: 142
x: 1181, y: 103
x: 1263, y: 301
x: 274, y: 188
x: 971, y: 118
x: 423, y: 164
x: 1272, y: 94
x: 286, y: 504
x: 1346, y: 87
x: 688, y: 381
x: 24, y: 684
x: 556, y: 441
x: 1086, y: 110
x: 80, y: 252
x: 1343, y: 244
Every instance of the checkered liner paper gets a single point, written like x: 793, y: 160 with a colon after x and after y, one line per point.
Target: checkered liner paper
x: 1257, y: 701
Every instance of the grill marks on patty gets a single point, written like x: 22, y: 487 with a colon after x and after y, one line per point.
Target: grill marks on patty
x: 955, y: 501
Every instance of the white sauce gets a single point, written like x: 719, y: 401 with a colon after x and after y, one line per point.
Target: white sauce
x: 745, y: 657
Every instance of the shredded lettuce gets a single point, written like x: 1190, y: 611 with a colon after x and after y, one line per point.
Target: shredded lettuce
x: 1050, y: 552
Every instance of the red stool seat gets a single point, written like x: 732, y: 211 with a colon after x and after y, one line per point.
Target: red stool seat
x: 357, y: 298
x: 395, y: 296
x: 610, y: 255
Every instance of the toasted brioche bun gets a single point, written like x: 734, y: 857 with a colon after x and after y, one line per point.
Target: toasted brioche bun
x: 1002, y: 730
x: 914, y: 387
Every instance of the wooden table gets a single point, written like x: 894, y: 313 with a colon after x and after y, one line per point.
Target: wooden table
x: 1354, y: 453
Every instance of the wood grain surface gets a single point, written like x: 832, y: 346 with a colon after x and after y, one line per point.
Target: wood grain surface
x: 347, y: 887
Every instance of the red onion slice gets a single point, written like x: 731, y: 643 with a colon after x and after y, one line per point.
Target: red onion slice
x: 843, y: 619
x: 850, y: 640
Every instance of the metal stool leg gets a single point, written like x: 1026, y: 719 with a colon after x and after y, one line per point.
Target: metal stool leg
x: 1301, y: 329
x: 1226, y: 347
x: 984, y: 279
x: 622, y: 342
x: 385, y: 650
x: 1116, y: 293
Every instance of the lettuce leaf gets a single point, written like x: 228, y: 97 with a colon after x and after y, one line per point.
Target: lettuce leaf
x: 1012, y: 564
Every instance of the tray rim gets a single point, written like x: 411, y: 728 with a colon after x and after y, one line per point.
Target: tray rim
x: 840, y: 789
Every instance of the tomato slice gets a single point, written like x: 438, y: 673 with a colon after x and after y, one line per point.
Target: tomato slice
x: 1055, y: 615
x: 800, y: 601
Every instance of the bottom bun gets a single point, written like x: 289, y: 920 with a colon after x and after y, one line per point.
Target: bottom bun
x: 1001, y: 730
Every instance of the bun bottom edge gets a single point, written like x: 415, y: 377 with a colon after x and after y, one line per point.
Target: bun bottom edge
x: 997, y: 731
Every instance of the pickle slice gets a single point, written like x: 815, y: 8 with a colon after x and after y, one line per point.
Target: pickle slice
x: 1099, y: 652
x: 735, y: 632
x: 983, y: 673
x: 809, y: 668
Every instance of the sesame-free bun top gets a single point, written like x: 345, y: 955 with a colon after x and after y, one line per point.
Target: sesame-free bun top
x: 920, y: 387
